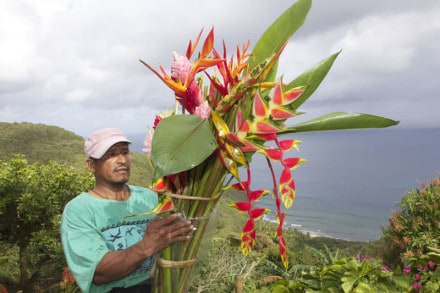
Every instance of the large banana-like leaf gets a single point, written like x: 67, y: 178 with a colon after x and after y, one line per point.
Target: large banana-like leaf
x: 311, y: 79
x: 279, y: 32
x: 181, y: 142
x: 341, y: 120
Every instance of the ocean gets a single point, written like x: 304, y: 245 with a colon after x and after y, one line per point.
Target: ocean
x: 352, y: 179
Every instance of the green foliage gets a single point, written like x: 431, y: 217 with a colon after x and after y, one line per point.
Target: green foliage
x: 343, y: 120
x: 32, y: 197
x: 219, y: 275
x: 416, y: 226
x: 280, y: 31
x: 9, y: 271
x: 181, y: 142
x: 351, y: 275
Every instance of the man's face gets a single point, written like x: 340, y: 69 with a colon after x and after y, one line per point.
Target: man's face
x: 114, y: 166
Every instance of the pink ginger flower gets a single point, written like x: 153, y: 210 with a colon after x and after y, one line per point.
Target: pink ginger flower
x: 181, y: 71
x: 203, y: 110
x: 180, y: 67
x: 147, y: 141
x: 431, y: 264
x: 407, y: 270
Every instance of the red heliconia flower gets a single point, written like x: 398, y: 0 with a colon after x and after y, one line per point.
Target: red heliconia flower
x: 273, y: 154
x: 258, y: 213
x: 228, y: 162
x: 280, y: 113
x: 235, y: 153
x: 248, y: 236
x: 280, y: 98
x: 267, y: 136
x: 160, y: 185
x: 249, y: 147
x: 241, y: 186
x: 233, y: 139
x: 288, y: 144
x: 287, y: 187
x: 293, y: 163
x: 242, y: 126
x: 242, y: 206
x: 293, y: 94
x: 165, y: 205
x: 229, y: 150
x: 283, y: 251
x: 259, y: 109
x: 157, y: 119
x: 264, y: 127
x: 257, y: 194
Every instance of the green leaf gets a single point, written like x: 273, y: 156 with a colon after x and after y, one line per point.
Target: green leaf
x: 181, y: 142
x: 279, y: 32
x: 341, y: 120
x: 311, y: 79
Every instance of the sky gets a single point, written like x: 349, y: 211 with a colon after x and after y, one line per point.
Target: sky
x: 75, y: 63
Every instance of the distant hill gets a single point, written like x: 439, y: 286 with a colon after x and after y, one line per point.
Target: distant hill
x: 43, y: 143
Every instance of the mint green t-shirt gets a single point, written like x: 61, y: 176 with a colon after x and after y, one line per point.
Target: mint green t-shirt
x: 91, y: 227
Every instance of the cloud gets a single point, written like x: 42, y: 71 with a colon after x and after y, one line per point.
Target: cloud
x: 75, y: 63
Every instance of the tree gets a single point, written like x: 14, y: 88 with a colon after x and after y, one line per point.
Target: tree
x: 32, y: 198
x: 416, y: 226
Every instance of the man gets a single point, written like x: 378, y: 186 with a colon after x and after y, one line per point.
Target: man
x: 105, y: 251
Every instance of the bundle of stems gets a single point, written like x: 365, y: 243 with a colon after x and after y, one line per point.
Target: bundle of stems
x: 203, y: 190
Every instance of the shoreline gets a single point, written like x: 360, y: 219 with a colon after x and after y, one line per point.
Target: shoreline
x: 298, y: 228
x: 314, y: 234
x: 311, y: 233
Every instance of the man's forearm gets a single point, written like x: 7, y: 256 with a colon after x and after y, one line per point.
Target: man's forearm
x: 160, y: 233
x: 118, y: 264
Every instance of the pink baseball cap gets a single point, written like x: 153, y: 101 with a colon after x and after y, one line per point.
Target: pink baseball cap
x: 100, y: 141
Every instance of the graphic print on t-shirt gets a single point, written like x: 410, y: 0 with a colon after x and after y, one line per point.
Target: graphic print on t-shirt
x: 125, y: 234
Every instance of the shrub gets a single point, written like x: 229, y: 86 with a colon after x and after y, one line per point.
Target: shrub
x: 416, y: 226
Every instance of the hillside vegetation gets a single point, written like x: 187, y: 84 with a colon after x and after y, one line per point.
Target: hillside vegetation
x: 43, y: 143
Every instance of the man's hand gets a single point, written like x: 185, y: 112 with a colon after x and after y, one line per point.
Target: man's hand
x: 160, y: 233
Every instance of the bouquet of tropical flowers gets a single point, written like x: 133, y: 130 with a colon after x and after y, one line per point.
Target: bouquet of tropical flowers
x: 228, y: 109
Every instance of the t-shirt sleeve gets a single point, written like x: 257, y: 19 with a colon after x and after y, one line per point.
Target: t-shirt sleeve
x: 83, y: 245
